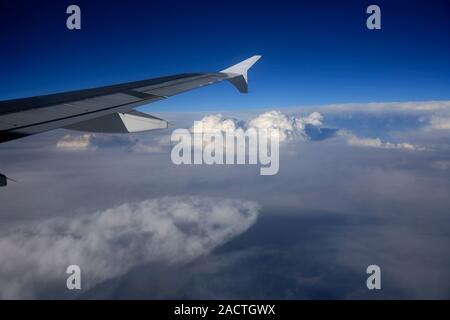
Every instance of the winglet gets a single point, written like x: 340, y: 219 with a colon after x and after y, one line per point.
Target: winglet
x: 238, y: 73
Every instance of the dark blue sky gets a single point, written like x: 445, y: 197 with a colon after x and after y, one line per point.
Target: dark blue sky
x: 313, y: 53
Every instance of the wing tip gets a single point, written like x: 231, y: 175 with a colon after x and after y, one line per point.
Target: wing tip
x: 242, y: 67
x: 238, y: 73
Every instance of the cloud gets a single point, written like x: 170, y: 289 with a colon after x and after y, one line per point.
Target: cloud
x: 439, y: 123
x: 387, y: 117
x: 304, y: 128
x: 75, y: 143
x: 288, y: 127
x: 441, y: 165
x: 387, y: 107
x: 356, y: 141
x: 285, y: 127
x: 89, y: 141
x: 109, y: 243
x: 158, y: 144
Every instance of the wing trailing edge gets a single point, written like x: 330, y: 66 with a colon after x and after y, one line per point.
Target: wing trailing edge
x: 130, y: 122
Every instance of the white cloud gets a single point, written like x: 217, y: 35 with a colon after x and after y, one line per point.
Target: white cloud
x: 155, y: 145
x: 382, y: 107
x: 428, y: 115
x: 356, y: 141
x: 286, y: 127
x: 290, y: 128
x: 90, y: 141
x: 109, y: 243
x: 216, y: 123
x: 75, y: 142
x: 439, y: 123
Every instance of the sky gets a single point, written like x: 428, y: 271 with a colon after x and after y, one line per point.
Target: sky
x: 314, y: 53
x: 364, y: 171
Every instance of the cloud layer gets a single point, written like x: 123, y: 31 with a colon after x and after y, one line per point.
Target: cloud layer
x: 358, y: 197
x: 109, y: 243
x: 285, y: 127
x: 356, y: 141
x: 90, y: 141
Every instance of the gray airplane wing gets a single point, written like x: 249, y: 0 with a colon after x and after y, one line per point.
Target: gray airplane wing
x: 107, y: 109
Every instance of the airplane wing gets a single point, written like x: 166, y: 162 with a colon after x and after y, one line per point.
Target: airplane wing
x: 108, y: 109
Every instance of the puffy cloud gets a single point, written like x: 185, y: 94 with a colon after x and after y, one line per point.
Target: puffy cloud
x: 314, y: 119
x: 109, y: 243
x: 300, y: 128
x: 216, y: 124
x: 270, y: 128
x: 75, y: 142
x: 288, y: 128
x: 356, y: 141
x: 285, y: 127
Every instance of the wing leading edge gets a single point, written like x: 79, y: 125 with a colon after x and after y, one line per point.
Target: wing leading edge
x: 110, y: 108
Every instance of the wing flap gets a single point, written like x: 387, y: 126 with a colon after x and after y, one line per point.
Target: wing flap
x: 130, y: 122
